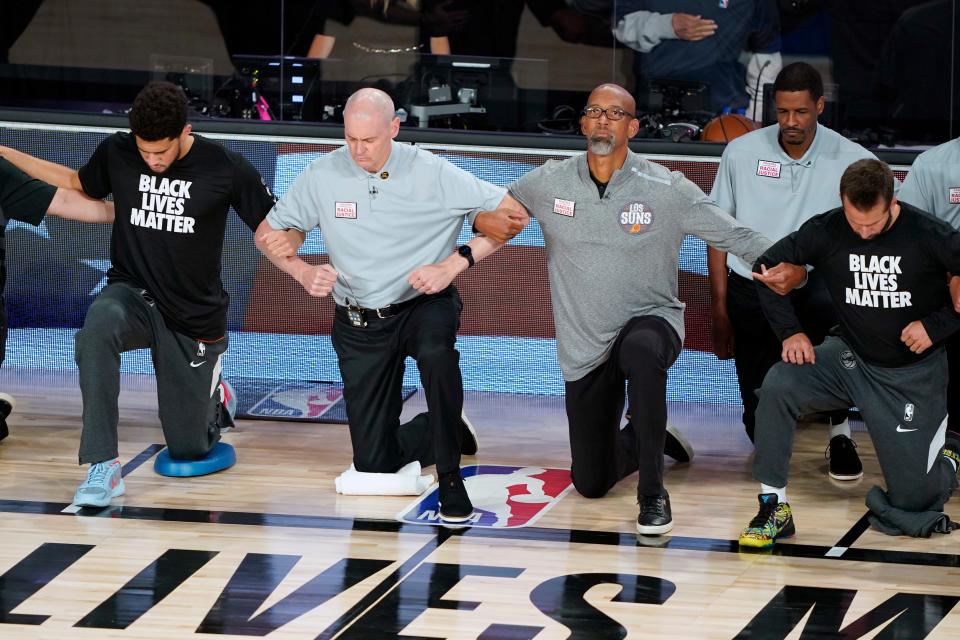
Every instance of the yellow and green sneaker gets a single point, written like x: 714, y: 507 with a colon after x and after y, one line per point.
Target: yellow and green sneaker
x: 951, y: 450
x: 774, y: 520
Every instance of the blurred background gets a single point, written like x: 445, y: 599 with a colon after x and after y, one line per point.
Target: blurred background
x: 495, y: 86
x: 891, y: 66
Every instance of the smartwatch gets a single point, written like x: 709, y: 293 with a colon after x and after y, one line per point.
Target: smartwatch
x: 466, y: 252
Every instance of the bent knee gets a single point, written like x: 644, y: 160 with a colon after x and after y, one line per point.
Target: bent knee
x: 437, y: 354
x: 644, y: 349
x: 187, y: 451
x: 779, y: 379
x: 591, y: 488
x: 105, y: 311
x: 102, y: 323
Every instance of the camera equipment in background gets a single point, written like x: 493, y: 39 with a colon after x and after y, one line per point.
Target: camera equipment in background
x: 275, y: 87
x: 675, y: 110
x: 192, y: 74
x: 469, y: 92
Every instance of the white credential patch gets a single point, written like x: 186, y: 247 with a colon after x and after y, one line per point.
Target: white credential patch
x: 564, y: 207
x: 768, y: 169
x: 346, y: 210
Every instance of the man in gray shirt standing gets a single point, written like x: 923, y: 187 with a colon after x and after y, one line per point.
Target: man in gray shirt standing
x: 933, y: 185
x: 613, y: 224
x: 390, y: 215
x: 773, y: 180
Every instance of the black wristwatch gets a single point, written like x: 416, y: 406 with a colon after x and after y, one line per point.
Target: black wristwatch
x: 466, y: 252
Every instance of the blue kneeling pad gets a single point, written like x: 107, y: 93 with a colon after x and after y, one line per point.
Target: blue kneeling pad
x: 222, y: 456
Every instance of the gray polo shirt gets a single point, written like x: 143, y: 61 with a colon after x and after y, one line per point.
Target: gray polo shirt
x: 614, y: 258
x: 933, y: 183
x: 767, y: 190
x: 379, y: 227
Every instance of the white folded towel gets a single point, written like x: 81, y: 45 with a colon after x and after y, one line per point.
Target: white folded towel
x: 405, y: 482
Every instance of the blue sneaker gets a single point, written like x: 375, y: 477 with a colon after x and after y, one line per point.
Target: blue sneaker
x: 103, y: 483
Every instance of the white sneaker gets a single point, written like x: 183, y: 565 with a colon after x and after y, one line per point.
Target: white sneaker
x: 103, y: 483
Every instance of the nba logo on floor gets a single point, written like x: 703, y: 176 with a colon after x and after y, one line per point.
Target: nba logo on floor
x: 502, y: 496
x: 304, y: 400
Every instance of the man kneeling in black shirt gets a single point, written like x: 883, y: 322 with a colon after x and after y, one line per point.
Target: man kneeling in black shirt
x: 886, y: 265
x: 172, y: 191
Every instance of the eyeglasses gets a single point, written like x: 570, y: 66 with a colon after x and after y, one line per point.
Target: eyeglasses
x: 613, y: 113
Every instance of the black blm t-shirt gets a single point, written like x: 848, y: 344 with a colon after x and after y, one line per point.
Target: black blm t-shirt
x: 878, y: 286
x: 169, y: 227
x: 21, y: 198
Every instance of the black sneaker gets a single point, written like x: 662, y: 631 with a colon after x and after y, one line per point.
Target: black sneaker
x: 676, y: 446
x: 844, y: 462
x: 469, y: 444
x: 455, y: 505
x: 7, y: 403
x: 655, y: 518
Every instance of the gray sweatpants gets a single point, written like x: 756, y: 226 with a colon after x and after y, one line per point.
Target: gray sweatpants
x: 905, y: 409
x: 124, y: 318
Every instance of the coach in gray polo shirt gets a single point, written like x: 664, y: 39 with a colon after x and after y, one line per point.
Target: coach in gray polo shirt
x: 613, y: 224
x: 773, y: 180
x: 390, y: 215
x: 933, y: 185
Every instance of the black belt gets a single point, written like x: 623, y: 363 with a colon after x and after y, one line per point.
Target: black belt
x: 384, y: 312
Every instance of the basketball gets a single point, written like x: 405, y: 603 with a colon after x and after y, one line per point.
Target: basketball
x: 228, y: 397
x: 727, y: 127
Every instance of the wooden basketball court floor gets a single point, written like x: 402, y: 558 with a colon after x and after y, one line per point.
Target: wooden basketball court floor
x: 269, y: 549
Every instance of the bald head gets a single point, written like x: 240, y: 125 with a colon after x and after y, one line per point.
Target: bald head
x: 609, y: 122
x: 613, y: 92
x: 370, y: 124
x: 370, y: 103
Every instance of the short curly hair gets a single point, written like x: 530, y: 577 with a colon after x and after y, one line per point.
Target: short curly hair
x: 159, y: 112
x: 867, y: 182
x: 800, y: 76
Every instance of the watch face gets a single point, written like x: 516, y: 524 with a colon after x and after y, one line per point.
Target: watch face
x: 465, y: 250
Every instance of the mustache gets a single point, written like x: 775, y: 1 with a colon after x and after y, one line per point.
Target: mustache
x: 610, y: 136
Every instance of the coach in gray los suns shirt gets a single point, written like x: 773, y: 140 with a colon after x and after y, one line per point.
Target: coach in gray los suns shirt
x: 613, y: 258
x: 613, y: 224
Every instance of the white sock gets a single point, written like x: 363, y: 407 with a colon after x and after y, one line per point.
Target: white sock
x: 842, y: 429
x: 781, y: 491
